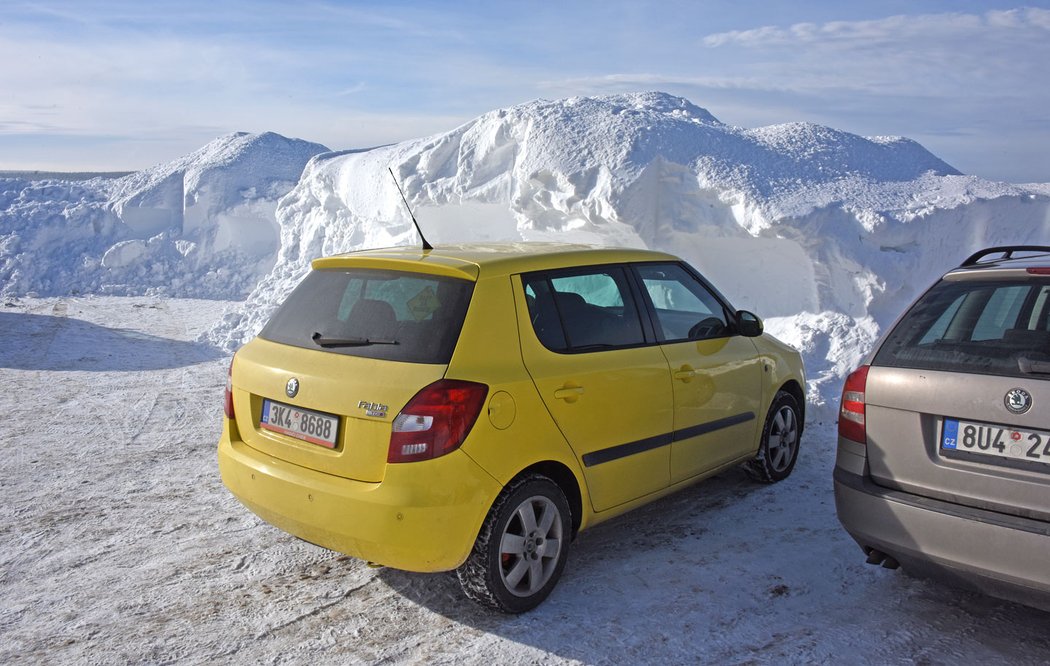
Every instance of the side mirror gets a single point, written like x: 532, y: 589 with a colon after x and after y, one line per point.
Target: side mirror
x: 748, y: 324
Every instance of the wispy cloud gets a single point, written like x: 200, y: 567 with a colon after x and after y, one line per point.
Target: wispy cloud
x: 995, y: 55
x: 647, y: 81
x: 1027, y: 23
x: 368, y: 72
x: 355, y: 89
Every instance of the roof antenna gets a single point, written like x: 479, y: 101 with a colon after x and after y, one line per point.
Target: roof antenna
x: 426, y: 245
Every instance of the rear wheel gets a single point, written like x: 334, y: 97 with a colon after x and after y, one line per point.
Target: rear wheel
x: 780, y: 438
x: 521, y: 548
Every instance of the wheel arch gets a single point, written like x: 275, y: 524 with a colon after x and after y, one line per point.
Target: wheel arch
x: 793, y: 388
x: 566, y: 480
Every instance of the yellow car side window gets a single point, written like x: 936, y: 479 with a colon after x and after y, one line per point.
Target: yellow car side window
x: 685, y: 309
x: 584, y: 311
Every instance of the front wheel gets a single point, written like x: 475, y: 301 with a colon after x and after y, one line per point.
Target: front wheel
x: 521, y: 548
x: 780, y: 438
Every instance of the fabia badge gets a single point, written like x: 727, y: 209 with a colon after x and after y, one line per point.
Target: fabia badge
x: 373, y: 408
x: 1018, y: 400
x: 292, y: 387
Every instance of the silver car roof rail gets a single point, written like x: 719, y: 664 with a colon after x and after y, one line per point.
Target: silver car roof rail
x: 1006, y: 250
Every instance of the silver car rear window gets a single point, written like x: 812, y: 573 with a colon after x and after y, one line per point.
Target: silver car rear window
x: 390, y: 315
x: 997, y: 327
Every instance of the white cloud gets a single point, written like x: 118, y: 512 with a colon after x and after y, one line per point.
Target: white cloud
x: 137, y: 85
x: 648, y: 81
x: 1030, y: 23
x: 997, y: 54
x: 355, y: 74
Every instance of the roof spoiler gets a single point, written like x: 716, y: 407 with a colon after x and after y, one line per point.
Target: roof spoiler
x: 1007, y: 251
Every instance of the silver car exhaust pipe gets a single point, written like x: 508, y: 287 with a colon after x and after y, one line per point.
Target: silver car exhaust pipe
x: 876, y: 556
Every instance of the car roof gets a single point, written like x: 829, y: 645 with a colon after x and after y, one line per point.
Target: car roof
x: 984, y: 264
x: 470, y: 260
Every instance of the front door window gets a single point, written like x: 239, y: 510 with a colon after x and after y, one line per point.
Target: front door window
x: 685, y: 309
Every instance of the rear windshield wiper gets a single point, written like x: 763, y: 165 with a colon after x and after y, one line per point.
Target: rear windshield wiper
x: 325, y: 341
x: 1032, y: 367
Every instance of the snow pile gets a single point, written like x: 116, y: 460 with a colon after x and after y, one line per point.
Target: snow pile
x: 202, y: 225
x: 826, y: 234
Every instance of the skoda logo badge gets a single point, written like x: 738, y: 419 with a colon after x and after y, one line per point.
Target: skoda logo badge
x: 292, y: 387
x: 1018, y: 400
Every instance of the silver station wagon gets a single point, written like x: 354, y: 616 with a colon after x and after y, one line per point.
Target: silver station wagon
x: 943, y: 462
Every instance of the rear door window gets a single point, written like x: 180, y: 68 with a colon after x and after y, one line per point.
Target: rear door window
x: 985, y: 327
x: 586, y: 310
x: 390, y: 315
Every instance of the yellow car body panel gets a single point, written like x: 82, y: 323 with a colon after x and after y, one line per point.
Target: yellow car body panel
x: 467, y: 261
x: 424, y: 516
x: 715, y: 382
x: 604, y: 400
x: 403, y: 259
x: 515, y: 430
x: 543, y: 410
x: 782, y: 363
x: 331, y: 383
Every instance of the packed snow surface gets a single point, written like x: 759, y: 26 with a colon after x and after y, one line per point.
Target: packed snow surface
x: 119, y: 544
x: 203, y: 225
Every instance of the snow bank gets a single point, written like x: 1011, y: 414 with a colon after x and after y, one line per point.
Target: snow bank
x: 827, y: 234
x: 201, y: 226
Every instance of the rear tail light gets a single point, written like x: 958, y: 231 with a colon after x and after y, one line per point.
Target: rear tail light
x: 227, y: 398
x: 851, y: 413
x: 1039, y: 270
x: 436, y: 420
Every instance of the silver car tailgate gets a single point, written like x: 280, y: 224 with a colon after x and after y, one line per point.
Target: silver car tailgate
x: 906, y: 412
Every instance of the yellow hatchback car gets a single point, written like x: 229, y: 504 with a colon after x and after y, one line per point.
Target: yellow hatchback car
x: 474, y: 407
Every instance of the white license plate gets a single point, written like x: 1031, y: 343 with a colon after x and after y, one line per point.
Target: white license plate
x: 304, y: 424
x: 993, y: 440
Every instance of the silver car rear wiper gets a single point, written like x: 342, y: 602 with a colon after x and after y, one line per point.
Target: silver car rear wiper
x: 325, y: 341
x: 1032, y: 367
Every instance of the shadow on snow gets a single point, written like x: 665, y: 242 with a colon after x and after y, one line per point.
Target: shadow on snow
x: 678, y: 579
x: 46, y: 342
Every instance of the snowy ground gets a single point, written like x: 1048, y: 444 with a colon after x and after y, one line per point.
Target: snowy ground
x: 118, y: 543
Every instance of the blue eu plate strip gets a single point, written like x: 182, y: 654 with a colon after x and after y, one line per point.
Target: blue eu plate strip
x: 951, y: 434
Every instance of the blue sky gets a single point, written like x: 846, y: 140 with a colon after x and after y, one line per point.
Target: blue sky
x: 124, y: 85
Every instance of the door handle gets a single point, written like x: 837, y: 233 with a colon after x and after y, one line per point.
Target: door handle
x: 569, y: 393
x: 685, y: 374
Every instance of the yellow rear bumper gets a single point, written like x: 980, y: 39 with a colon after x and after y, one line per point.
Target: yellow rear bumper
x: 423, y: 516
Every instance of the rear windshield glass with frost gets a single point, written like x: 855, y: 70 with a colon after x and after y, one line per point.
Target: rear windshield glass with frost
x: 391, y: 315
x: 995, y: 327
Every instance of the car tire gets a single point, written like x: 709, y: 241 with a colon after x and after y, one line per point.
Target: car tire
x: 521, y: 549
x: 781, y: 434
